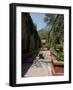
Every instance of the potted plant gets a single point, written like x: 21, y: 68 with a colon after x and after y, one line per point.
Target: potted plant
x: 57, y: 57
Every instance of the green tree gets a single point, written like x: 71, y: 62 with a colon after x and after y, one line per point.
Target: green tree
x: 49, y: 19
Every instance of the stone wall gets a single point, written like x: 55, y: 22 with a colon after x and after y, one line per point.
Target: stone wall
x: 30, y: 37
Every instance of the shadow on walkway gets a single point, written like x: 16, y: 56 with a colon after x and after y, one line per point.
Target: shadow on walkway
x: 27, y: 63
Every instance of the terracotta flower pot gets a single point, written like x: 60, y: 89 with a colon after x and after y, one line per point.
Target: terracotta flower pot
x: 58, y: 66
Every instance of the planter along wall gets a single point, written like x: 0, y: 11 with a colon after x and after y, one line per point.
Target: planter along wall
x: 58, y: 66
x: 56, y: 44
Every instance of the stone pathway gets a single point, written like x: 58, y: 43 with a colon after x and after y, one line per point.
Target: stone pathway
x: 39, y: 67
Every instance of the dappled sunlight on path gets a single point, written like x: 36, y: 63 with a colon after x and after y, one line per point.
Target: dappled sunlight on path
x: 40, y: 66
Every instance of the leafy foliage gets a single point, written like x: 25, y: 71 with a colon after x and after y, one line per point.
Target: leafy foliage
x: 43, y: 34
x: 59, y: 52
x: 60, y: 56
x: 56, y: 36
x: 49, y: 19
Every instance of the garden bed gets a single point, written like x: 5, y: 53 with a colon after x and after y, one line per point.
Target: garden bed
x: 58, y: 66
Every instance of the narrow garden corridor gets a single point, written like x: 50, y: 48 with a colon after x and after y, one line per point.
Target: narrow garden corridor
x: 42, y: 48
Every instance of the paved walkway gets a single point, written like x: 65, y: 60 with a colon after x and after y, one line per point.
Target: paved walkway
x: 39, y: 67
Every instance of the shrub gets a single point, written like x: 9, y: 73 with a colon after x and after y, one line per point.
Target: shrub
x: 59, y: 47
x: 60, y: 56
